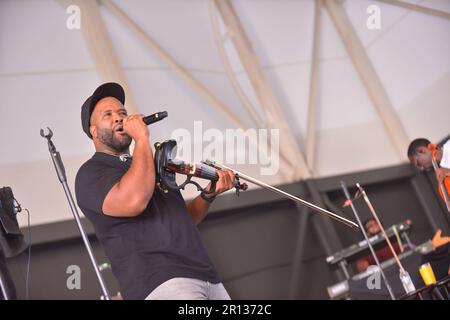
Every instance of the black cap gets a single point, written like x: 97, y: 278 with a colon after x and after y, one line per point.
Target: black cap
x: 110, y: 89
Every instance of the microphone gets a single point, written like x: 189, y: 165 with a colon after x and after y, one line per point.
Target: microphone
x: 155, y: 117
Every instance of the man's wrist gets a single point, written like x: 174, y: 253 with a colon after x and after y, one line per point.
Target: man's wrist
x: 142, y: 140
x: 206, y: 197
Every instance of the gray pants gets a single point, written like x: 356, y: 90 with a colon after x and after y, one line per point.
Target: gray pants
x: 188, y: 289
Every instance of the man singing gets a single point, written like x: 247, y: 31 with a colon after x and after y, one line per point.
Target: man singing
x: 150, y: 237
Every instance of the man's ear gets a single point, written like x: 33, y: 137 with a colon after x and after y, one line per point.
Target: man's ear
x: 93, y: 131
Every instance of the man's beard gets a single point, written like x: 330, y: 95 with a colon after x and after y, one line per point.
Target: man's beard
x: 108, y: 138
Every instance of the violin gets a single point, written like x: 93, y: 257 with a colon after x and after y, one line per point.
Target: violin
x: 167, y: 166
x: 444, y: 186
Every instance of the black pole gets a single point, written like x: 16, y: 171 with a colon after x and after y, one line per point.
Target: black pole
x: 297, y: 264
x: 61, y: 172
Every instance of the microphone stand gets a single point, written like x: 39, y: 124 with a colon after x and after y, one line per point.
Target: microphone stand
x: 59, y: 167
x: 3, y: 288
x: 349, y: 199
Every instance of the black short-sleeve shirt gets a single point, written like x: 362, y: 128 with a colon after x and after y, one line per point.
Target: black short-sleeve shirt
x: 161, y: 243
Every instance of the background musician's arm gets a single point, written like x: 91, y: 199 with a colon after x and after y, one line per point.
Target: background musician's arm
x: 442, y: 173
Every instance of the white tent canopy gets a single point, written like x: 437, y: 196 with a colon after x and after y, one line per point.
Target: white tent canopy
x: 47, y: 71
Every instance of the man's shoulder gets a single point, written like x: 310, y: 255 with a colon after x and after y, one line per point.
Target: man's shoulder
x: 91, y: 162
x: 99, y: 165
x: 84, y: 168
x: 92, y: 165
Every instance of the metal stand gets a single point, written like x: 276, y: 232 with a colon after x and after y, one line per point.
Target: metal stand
x: 347, y: 195
x: 343, y: 265
x: 59, y: 167
x: 3, y: 289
